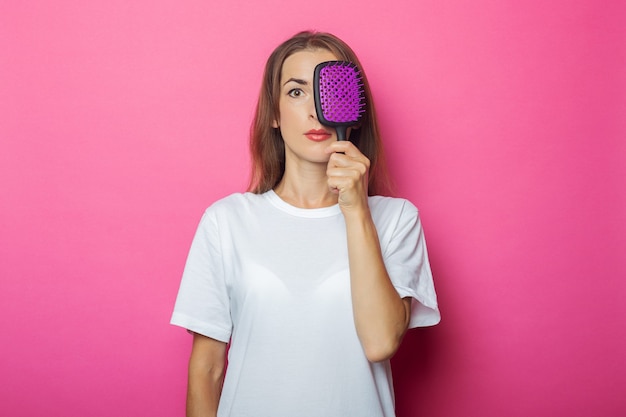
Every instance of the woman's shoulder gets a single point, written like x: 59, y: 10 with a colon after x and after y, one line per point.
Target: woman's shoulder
x: 394, y: 216
x: 236, y: 202
x: 390, y: 205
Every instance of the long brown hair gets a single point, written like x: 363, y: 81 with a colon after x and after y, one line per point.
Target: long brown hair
x: 266, y: 144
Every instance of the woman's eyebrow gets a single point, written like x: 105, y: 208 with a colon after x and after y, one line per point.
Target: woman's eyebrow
x: 296, y: 80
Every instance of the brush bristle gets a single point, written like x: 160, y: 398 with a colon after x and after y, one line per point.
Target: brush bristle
x: 341, y: 93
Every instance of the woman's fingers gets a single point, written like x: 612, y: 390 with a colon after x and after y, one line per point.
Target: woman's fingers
x: 347, y: 173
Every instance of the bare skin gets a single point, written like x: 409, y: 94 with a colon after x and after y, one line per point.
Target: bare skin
x: 206, y: 374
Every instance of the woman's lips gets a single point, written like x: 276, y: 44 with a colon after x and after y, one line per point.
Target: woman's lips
x: 317, y: 135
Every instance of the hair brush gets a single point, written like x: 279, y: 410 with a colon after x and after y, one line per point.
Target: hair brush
x: 339, y: 95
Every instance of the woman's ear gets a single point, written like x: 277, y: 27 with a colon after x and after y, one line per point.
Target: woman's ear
x: 275, y: 124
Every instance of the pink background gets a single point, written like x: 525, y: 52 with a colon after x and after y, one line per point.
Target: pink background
x: 505, y: 122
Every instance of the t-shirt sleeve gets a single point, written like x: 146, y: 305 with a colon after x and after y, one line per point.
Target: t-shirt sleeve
x: 203, y: 304
x: 406, y: 259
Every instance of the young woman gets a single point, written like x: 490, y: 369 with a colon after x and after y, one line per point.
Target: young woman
x: 311, y: 277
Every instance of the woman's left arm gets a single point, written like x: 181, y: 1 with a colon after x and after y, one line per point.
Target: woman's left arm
x: 381, y: 316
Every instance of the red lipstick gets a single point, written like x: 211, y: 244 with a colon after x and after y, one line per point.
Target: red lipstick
x: 318, y: 135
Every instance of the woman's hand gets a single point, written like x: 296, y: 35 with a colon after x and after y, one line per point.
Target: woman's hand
x: 347, y: 174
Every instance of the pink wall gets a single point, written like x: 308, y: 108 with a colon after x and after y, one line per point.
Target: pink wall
x: 120, y: 121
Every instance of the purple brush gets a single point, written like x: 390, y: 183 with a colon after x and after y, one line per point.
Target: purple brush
x: 339, y: 95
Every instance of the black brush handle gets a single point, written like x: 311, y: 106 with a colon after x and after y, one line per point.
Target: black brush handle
x: 341, y: 132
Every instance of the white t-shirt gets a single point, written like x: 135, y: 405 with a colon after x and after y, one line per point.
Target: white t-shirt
x: 273, y: 280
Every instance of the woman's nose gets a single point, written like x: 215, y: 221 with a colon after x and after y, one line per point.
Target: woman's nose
x: 312, y: 111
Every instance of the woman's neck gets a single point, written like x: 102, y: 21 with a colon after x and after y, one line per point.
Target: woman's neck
x: 305, y: 190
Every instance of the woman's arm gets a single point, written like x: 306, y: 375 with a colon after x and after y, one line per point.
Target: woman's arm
x: 206, y: 374
x: 381, y: 316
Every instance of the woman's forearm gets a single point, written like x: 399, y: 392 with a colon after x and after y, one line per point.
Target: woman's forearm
x: 381, y: 316
x: 206, y: 375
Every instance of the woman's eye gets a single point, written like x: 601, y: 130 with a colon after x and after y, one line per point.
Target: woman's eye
x: 295, y: 92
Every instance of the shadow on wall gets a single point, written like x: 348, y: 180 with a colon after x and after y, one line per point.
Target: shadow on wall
x: 415, y: 369
x: 424, y: 356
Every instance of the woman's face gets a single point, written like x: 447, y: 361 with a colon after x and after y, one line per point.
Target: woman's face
x: 305, y: 138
